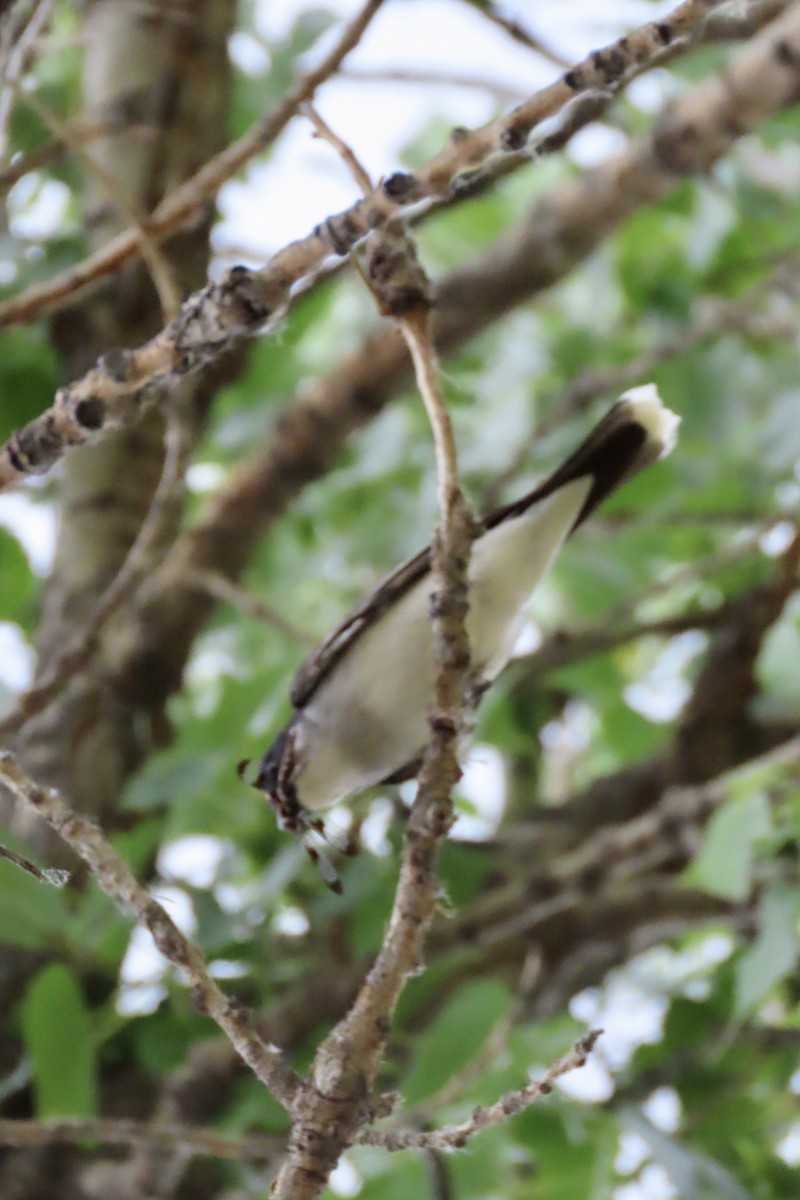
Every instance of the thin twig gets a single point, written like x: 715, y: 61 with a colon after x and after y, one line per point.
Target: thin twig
x: 345, y: 152
x: 454, y: 1137
x: 441, y: 1180
x: 615, y: 856
x: 518, y: 32
x: 224, y: 589
x: 438, y: 180
x: 564, y: 647
x: 17, y: 64
x: 245, y: 302
x: 81, y: 134
x: 188, y: 201
x: 137, y: 564
x: 161, y: 272
x: 492, y: 1048
x: 72, y: 1131
x: 52, y: 875
x: 417, y: 75
x: 115, y: 878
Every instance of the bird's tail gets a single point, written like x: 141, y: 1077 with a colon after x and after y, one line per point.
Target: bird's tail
x: 635, y: 432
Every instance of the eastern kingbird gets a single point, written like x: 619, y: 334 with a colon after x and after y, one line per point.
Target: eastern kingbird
x: 363, y: 697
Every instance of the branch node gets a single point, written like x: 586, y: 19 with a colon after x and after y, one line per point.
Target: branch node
x: 395, y: 273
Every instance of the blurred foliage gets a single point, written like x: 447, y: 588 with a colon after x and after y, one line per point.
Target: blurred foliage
x: 723, y: 1031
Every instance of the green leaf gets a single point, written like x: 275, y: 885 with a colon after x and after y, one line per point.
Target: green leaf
x: 28, y: 376
x: 724, y: 864
x: 777, y: 663
x: 456, y: 1036
x: 16, y: 581
x: 773, y: 954
x: 57, y: 1029
x: 32, y: 914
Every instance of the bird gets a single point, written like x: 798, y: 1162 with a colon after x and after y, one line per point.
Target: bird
x: 363, y: 697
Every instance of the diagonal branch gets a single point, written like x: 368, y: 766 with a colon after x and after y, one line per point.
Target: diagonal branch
x: 17, y: 63
x: 455, y: 1137
x: 188, y: 201
x: 115, y: 878
x: 244, y: 302
x: 138, y: 562
x: 565, y: 225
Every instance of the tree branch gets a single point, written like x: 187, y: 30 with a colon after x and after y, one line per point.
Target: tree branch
x: 516, y: 30
x: 74, y: 1131
x: 188, y: 201
x: 138, y: 562
x: 455, y: 1137
x: 244, y: 302
x: 54, y: 876
x: 335, y: 1102
x: 117, y: 881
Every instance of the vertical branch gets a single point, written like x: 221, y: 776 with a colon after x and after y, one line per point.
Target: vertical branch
x: 449, y: 601
x: 335, y: 1101
x: 417, y: 332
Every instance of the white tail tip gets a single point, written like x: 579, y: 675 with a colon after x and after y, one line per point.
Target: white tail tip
x: 660, y: 422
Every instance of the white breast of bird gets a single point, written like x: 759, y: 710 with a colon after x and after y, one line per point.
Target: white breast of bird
x: 370, y: 717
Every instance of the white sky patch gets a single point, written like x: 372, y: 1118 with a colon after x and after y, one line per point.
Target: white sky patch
x: 248, y: 53
x: 291, y: 921
x: 661, y: 695
x: 36, y: 209
x: 142, y: 962
x: 17, y: 658
x: 653, y: 1184
x: 787, y: 494
x: 33, y: 525
x: 225, y: 968
x: 338, y: 820
x: 631, y: 1008
x: 633, y: 1152
x: 596, y: 143
x: 230, y: 898
x: 209, y: 666
x: 630, y: 1016
x: 572, y: 732
x: 143, y: 965
x: 483, y: 784
x: 375, y: 827
x: 777, y: 539
x: 788, y: 1148
x: 649, y: 91
x: 663, y: 1109
x: 205, y: 477
x: 345, y: 1179
x: 139, y: 1000
x: 194, y: 859
x: 530, y: 639
x: 379, y: 119
x: 592, y: 1083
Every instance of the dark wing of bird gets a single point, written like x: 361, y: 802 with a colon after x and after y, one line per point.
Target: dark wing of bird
x: 310, y: 674
x: 616, y: 448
